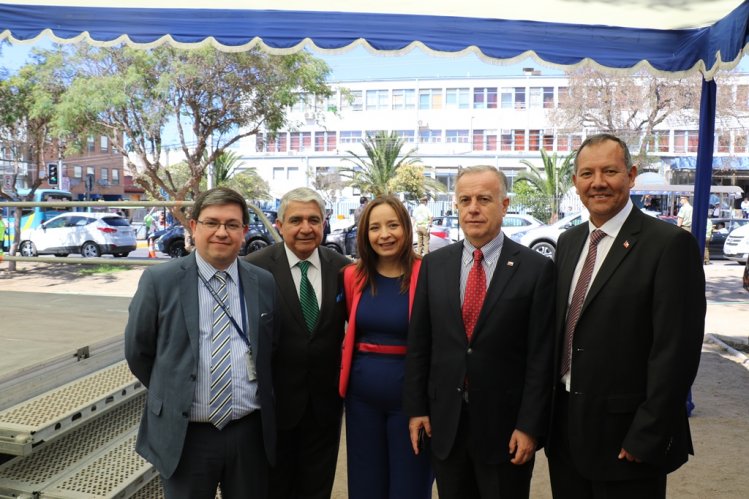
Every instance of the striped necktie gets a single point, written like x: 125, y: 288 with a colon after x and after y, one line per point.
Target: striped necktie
x: 221, y: 392
x: 578, y: 298
x: 308, y: 298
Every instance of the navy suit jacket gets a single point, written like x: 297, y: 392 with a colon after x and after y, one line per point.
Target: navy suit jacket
x: 507, y: 363
x: 161, y: 348
x: 636, y: 348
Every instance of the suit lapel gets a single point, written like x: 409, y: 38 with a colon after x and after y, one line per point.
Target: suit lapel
x: 566, y: 267
x: 453, y: 262
x: 622, y: 246
x: 329, y: 282
x: 251, y: 289
x: 188, y: 295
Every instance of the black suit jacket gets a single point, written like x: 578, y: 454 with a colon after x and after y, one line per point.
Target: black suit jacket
x: 507, y: 363
x: 307, y: 366
x: 636, y: 348
x: 162, y: 338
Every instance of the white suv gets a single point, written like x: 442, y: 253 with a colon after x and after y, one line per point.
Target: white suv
x: 90, y: 234
x: 544, y: 239
x: 736, y: 247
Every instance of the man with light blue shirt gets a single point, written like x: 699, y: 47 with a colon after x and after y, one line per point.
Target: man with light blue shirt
x: 200, y: 336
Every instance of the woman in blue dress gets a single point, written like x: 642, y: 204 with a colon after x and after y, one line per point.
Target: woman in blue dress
x: 379, y: 294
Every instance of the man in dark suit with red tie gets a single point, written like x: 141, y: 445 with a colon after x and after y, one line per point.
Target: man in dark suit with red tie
x: 630, y: 317
x: 479, y: 359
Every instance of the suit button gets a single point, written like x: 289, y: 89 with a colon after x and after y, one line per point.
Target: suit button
x: 470, y: 351
x: 193, y: 377
x: 185, y: 415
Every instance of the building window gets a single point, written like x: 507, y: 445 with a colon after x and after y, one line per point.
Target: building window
x: 513, y: 140
x: 457, y: 98
x: 302, y: 103
x: 534, y: 140
x: 723, y: 141
x: 548, y: 141
x: 350, y: 136
x: 485, y: 98
x: 541, y: 97
x: 77, y: 172
x: 484, y: 140
x: 275, y: 144
x: 104, y: 143
x: 456, y: 136
x: 115, y: 176
x: 562, y: 94
x: 377, y: 100
x: 408, y: 136
x: 513, y: 98
x: 739, y: 142
x: 430, y: 98
x: 278, y: 172
x: 300, y: 141
x: 685, y: 141
x: 292, y: 173
x: 352, y: 100
x: 104, y: 174
x: 90, y: 144
x: 89, y: 170
x: 404, y: 98
x: 430, y: 136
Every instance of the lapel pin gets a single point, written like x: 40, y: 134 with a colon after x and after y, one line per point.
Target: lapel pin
x: 626, y: 244
x: 510, y: 263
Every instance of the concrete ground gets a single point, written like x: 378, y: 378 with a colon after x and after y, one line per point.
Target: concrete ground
x: 720, y: 426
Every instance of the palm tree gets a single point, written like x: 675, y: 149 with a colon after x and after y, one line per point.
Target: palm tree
x: 552, y: 181
x: 373, y: 174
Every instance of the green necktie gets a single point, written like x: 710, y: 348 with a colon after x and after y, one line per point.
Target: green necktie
x: 307, y: 298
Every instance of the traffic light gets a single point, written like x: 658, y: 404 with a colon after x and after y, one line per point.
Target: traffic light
x: 52, y: 174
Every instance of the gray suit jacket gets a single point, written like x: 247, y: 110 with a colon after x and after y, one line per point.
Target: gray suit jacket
x: 161, y: 348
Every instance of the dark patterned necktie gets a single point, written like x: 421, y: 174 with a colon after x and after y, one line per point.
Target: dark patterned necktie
x: 220, y: 403
x: 474, y: 294
x: 308, y: 298
x: 578, y: 298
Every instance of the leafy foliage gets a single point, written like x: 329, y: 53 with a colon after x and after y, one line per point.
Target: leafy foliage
x: 549, y: 182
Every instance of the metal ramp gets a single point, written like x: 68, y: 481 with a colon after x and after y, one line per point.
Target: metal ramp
x: 45, y: 417
x: 92, y: 461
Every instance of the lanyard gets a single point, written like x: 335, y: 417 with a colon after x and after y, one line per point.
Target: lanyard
x: 226, y: 310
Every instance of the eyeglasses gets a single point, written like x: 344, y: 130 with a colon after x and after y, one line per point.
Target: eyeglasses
x: 229, y: 226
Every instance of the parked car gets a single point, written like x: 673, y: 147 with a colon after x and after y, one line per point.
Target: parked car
x: 544, y: 239
x: 722, y: 227
x: 90, y: 234
x: 511, y: 224
x: 171, y: 241
x: 736, y: 247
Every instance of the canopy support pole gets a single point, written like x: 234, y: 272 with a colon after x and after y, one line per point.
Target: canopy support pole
x: 704, y: 170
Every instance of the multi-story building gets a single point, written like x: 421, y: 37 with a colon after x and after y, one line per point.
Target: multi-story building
x: 457, y: 122
x: 96, y: 172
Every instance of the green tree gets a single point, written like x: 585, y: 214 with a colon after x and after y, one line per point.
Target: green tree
x: 373, y: 173
x: 213, y: 98
x: 527, y: 196
x: 549, y: 182
x: 245, y: 181
x: 411, y: 181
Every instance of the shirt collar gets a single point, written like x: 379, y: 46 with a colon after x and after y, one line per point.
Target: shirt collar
x: 615, y: 223
x: 490, y: 250
x: 313, y: 259
x: 207, y: 270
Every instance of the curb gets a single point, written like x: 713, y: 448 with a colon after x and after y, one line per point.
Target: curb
x: 744, y: 360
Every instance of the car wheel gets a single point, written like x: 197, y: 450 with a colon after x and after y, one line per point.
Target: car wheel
x: 334, y: 247
x: 121, y: 255
x: 545, y: 248
x: 255, y: 245
x: 90, y: 250
x: 28, y: 249
x: 61, y: 255
x: 177, y: 249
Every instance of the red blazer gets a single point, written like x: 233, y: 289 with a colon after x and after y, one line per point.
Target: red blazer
x: 352, y: 289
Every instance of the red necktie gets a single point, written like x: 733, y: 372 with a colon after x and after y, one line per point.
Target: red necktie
x: 475, y: 293
x: 578, y: 298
